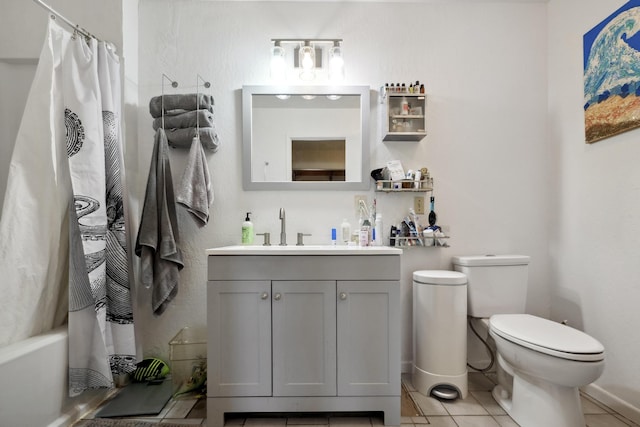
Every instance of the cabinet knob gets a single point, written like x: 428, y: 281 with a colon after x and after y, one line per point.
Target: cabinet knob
x: 264, y: 295
x: 277, y: 297
x: 343, y: 296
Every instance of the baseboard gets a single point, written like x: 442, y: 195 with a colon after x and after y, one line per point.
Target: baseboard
x: 620, y: 406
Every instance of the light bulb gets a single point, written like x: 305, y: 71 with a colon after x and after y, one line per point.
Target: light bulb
x: 278, y: 67
x: 307, y: 58
x: 336, y: 63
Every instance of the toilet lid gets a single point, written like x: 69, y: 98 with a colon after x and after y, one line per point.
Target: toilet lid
x: 547, y: 337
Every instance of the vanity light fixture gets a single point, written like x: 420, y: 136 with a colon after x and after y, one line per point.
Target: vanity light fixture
x: 308, y: 58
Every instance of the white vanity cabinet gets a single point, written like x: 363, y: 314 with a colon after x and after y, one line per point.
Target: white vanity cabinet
x: 303, y: 333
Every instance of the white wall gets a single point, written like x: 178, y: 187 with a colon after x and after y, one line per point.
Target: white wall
x: 595, y: 243
x: 484, y: 66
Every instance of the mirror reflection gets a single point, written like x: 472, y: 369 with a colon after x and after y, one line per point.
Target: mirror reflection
x: 305, y: 137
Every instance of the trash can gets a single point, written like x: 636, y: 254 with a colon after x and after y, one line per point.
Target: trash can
x: 440, y: 333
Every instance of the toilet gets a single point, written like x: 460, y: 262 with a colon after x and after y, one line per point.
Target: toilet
x: 541, y: 363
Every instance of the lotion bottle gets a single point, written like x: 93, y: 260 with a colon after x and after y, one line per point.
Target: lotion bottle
x: 345, y: 232
x: 247, y: 231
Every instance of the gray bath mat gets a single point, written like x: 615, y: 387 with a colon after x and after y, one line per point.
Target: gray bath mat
x: 138, y: 399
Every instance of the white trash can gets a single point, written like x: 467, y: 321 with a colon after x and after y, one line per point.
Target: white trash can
x: 440, y: 333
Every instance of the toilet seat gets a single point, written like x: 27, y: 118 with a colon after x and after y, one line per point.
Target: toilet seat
x: 546, y: 336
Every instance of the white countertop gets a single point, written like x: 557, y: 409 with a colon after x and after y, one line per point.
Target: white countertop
x: 304, y: 250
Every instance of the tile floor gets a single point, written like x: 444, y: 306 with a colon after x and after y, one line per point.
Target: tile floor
x: 477, y: 410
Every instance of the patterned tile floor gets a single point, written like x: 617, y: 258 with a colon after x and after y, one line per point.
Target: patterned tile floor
x: 479, y: 409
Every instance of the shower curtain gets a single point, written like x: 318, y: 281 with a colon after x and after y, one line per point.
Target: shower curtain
x: 62, y: 235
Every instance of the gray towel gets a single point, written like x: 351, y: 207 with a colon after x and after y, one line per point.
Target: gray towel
x: 181, y: 138
x: 188, y: 119
x: 196, y: 192
x: 185, y: 101
x: 157, y: 244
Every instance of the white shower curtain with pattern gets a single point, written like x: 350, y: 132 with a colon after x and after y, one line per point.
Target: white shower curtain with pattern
x: 68, y: 165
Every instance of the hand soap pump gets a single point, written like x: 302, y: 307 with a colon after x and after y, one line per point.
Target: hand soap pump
x: 247, y: 230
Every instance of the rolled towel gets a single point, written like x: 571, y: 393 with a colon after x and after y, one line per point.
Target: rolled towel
x: 195, y: 191
x: 189, y: 119
x: 181, y: 138
x: 187, y: 101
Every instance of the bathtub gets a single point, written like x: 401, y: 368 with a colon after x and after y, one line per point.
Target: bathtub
x: 33, y: 378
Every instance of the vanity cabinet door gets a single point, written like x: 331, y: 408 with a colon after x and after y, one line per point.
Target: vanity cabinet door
x: 368, y: 314
x: 304, y: 338
x: 239, y: 338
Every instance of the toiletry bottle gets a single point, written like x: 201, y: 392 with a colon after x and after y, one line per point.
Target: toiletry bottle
x: 333, y: 236
x: 365, y: 233
x: 247, y: 231
x: 379, y: 241
x: 345, y: 232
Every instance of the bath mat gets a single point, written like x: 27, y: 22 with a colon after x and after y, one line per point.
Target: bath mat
x: 127, y: 423
x: 138, y: 399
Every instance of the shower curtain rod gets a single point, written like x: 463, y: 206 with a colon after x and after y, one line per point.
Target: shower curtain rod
x: 69, y: 23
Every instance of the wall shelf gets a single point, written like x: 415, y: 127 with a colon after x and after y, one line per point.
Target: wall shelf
x: 404, y: 186
x: 404, y: 116
x: 423, y: 242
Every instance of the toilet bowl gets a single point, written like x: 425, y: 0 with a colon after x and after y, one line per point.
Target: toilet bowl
x: 548, y: 361
x: 541, y: 364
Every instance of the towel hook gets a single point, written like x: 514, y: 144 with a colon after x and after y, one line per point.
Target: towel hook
x: 206, y: 85
x: 174, y: 84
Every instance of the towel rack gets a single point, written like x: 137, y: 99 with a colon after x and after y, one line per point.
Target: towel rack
x: 206, y: 85
x: 181, y: 134
x: 174, y: 84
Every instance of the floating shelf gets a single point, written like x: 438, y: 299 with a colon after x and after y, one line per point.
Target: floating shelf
x: 403, y: 186
x: 423, y: 242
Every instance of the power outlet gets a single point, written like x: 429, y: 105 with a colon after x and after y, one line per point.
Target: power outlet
x: 418, y: 205
x: 356, y: 201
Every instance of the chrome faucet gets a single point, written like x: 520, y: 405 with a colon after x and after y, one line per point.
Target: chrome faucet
x: 283, y: 226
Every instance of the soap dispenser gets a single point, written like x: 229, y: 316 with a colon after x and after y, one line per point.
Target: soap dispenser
x: 247, y: 230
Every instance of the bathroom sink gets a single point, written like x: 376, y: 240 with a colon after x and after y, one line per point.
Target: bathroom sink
x: 303, y: 250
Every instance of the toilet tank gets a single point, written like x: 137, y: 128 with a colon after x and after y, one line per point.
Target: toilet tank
x: 496, y: 284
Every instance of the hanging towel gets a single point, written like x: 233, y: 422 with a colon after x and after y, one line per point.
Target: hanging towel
x: 180, y: 102
x: 157, y: 244
x: 196, y: 192
x: 181, y: 138
x: 188, y: 119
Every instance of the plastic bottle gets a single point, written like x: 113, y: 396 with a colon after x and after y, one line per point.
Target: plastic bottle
x: 247, y: 230
x: 345, y: 232
x: 404, y: 106
x: 365, y: 233
x: 378, y: 231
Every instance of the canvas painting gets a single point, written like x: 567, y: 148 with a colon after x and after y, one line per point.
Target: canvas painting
x: 612, y: 74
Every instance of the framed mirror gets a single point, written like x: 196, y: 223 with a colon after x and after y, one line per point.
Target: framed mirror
x: 305, y: 137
